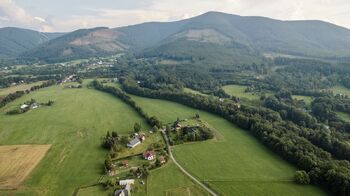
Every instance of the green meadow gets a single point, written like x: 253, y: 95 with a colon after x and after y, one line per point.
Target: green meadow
x: 306, y: 99
x: 234, y: 163
x: 238, y: 91
x: 74, y: 126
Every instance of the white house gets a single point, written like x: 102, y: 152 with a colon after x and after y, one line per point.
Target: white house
x: 134, y: 142
x: 126, y: 182
x: 24, y: 106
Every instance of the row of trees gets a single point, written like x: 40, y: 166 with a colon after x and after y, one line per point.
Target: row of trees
x: 331, y: 139
x: 12, y: 96
x: 153, y: 121
x: 271, y: 130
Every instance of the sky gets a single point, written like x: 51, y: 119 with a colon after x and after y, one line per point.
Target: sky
x: 69, y: 15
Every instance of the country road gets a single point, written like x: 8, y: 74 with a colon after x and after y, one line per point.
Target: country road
x: 182, y: 169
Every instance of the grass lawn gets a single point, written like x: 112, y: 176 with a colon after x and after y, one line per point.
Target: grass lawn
x: 341, y: 90
x: 307, y: 99
x: 74, y: 126
x: 233, y: 164
x: 12, y: 89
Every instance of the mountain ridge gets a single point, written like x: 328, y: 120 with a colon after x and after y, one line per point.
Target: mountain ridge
x: 255, y: 35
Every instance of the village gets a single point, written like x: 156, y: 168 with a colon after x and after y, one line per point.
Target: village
x: 131, y: 157
x: 29, y: 105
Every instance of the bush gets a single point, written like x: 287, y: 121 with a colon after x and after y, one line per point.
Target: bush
x: 301, y: 177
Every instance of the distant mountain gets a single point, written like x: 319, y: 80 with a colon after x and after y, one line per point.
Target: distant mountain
x: 209, y: 36
x: 14, y: 41
x: 82, y: 43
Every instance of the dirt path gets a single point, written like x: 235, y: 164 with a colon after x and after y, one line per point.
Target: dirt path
x: 182, y: 169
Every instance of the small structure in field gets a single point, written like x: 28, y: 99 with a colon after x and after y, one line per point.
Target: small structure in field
x: 162, y: 159
x: 126, y: 182
x: 149, y: 155
x: 24, y: 106
x: 125, y: 163
x: 134, y: 142
x: 35, y: 105
x: 142, y: 137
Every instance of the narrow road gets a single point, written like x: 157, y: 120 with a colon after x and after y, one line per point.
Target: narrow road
x: 182, y: 169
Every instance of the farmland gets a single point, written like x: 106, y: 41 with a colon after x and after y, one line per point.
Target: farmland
x: 21, y: 87
x: 234, y: 163
x: 73, y: 126
x: 17, y: 161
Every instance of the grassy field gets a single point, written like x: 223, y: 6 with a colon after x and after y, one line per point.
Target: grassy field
x: 188, y: 90
x: 307, y: 99
x: 238, y: 91
x: 233, y: 164
x: 169, y: 180
x: 74, y: 126
x: 17, y: 161
x: 341, y: 90
x: 12, y: 89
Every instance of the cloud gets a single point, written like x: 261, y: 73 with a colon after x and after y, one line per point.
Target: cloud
x: 89, y: 13
x: 39, y: 19
x: 13, y: 15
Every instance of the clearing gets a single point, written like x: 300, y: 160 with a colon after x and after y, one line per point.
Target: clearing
x: 239, y: 91
x: 17, y: 161
x: 341, y: 90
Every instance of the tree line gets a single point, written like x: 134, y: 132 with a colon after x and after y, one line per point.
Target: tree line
x: 270, y: 129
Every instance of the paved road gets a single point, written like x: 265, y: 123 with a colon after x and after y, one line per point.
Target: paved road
x: 182, y: 169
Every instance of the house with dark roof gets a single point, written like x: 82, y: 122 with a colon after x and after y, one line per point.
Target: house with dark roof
x: 149, y: 155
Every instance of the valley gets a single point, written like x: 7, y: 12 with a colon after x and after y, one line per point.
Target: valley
x: 215, y: 104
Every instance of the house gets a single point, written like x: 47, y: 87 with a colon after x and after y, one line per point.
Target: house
x: 142, y: 137
x: 134, y: 142
x: 149, y: 155
x: 126, y: 181
x: 24, y: 106
x: 34, y: 105
x: 162, y: 159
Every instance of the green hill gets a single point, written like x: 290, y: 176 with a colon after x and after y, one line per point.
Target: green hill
x: 14, y: 41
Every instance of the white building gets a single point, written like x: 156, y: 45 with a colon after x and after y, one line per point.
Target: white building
x: 126, y: 182
x: 24, y: 106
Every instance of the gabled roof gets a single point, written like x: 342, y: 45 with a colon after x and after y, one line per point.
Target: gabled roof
x: 134, y: 141
x: 148, y: 153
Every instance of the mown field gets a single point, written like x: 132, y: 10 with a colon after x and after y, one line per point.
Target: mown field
x: 12, y: 89
x: 17, y: 161
x: 74, y: 126
x: 233, y: 164
x: 238, y: 91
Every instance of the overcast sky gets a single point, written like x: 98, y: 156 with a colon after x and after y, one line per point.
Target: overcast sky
x: 68, y: 15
